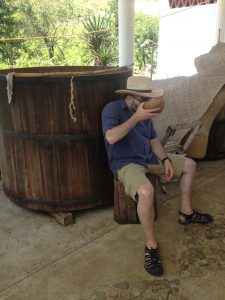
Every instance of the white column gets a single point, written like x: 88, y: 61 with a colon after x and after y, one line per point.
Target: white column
x: 220, y: 20
x: 126, y: 32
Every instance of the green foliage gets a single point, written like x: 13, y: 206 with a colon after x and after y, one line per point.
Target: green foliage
x: 146, y: 41
x: 106, y: 54
x: 113, y: 11
x: 66, y: 32
x: 9, y: 27
x: 6, y: 17
x: 100, y: 39
x: 46, y: 19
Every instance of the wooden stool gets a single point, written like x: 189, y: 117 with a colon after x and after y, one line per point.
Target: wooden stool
x: 125, y: 208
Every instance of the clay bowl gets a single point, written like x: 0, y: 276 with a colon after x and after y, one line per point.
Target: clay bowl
x: 155, y: 103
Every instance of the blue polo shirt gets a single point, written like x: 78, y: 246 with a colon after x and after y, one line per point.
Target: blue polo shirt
x: 135, y: 146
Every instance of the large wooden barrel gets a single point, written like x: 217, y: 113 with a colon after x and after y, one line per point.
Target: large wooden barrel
x: 52, y: 153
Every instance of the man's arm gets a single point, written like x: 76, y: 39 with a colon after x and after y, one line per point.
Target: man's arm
x: 157, y: 148
x: 159, y: 151
x: 116, y: 133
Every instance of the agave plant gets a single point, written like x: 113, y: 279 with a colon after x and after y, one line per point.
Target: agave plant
x: 106, y: 54
x: 100, y: 39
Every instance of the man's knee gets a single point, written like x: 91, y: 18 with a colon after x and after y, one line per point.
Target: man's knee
x: 146, y: 192
x: 189, y: 165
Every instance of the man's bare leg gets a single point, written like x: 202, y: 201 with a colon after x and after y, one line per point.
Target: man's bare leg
x: 187, y: 214
x: 186, y: 182
x: 145, y: 210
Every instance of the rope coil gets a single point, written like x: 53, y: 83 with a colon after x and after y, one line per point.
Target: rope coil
x: 72, y: 107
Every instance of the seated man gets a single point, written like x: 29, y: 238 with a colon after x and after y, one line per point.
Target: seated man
x: 134, y: 150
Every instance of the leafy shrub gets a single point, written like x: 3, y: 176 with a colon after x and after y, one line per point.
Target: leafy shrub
x: 146, y: 41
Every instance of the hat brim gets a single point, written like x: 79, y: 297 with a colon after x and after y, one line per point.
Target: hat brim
x: 155, y: 93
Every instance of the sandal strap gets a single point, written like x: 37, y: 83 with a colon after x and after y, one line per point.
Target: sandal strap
x: 152, y: 258
x: 152, y: 262
x: 196, y: 216
x: 186, y: 216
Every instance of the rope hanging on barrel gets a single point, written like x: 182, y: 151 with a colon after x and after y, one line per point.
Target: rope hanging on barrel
x: 72, y: 106
x: 9, y: 78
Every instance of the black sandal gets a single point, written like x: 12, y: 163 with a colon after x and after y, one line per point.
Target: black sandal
x: 195, y: 217
x: 152, y: 262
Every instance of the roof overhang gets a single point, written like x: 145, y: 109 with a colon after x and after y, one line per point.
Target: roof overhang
x: 183, y: 3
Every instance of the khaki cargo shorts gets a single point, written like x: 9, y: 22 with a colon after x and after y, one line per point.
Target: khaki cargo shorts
x: 133, y: 175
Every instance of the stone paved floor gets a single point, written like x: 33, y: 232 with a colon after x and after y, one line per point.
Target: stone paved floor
x: 98, y: 259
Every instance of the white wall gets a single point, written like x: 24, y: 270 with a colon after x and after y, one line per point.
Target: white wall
x: 183, y: 36
x: 221, y: 19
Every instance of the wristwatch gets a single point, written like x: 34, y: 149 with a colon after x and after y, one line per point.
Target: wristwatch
x: 164, y: 159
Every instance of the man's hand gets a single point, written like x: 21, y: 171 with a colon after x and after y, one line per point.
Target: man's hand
x: 159, y: 151
x: 142, y: 114
x: 168, y: 175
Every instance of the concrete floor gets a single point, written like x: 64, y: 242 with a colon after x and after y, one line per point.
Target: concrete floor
x: 98, y: 259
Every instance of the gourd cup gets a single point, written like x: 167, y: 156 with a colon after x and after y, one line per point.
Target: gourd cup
x: 155, y: 103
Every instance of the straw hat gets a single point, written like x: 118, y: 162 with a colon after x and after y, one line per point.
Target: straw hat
x: 140, y: 86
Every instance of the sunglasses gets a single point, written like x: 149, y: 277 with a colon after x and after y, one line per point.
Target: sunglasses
x: 141, y: 99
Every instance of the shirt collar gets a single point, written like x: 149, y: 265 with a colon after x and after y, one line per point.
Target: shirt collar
x: 123, y: 103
